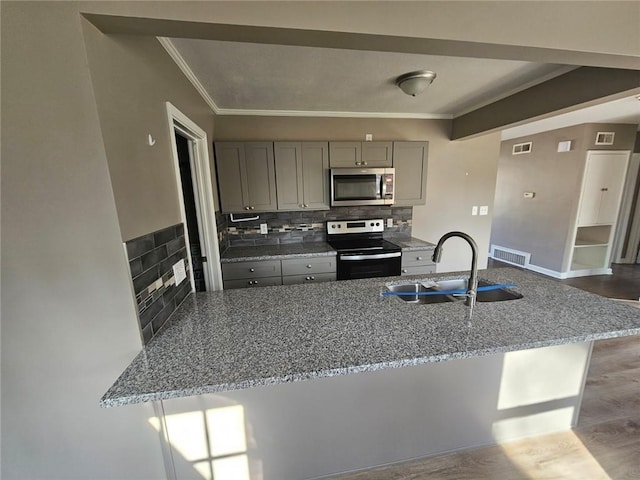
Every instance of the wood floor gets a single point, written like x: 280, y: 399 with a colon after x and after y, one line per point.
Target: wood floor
x: 604, y: 445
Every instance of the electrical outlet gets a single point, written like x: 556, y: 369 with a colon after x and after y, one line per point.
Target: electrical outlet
x: 484, y: 210
x: 389, y: 222
x: 474, y: 210
x: 264, y: 229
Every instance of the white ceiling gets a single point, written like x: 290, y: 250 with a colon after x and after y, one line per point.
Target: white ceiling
x: 250, y: 78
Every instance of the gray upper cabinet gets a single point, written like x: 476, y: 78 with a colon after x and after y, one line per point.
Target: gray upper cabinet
x: 377, y: 154
x: 246, y: 176
x: 360, y: 154
x: 302, y: 175
x: 410, y: 163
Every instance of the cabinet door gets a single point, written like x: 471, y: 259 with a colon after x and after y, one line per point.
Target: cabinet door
x: 377, y: 154
x: 602, y: 187
x: 289, y: 182
x: 231, y: 178
x: 345, y: 154
x: 261, y: 176
x: 410, y: 163
x: 315, y: 175
x: 612, y: 187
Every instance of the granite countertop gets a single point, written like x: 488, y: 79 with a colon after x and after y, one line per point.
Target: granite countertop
x: 236, y: 339
x: 410, y: 243
x: 299, y: 250
x: 276, y: 252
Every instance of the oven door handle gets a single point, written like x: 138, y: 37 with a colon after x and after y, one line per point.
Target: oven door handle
x: 353, y: 258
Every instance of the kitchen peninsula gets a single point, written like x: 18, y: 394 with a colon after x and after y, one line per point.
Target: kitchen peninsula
x: 464, y: 389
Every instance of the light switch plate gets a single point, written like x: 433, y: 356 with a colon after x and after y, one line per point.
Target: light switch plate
x: 368, y: 137
x: 389, y: 222
x: 179, y: 271
x: 484, y: 210
x: 474, y: 210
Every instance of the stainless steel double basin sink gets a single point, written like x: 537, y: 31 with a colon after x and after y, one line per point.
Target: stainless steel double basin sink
x: 444, y: 291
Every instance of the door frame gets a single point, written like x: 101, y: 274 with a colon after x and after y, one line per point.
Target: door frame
x: 629, y: 229
x: 203, y: 191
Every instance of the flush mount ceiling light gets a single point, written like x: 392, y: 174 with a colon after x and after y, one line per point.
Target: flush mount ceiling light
x: 413, y: 83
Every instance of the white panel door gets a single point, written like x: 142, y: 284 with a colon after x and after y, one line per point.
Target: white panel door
x: 604, y: 180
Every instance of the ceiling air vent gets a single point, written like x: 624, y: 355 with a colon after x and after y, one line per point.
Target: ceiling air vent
x: 520, y: 148
x: 605, y: 138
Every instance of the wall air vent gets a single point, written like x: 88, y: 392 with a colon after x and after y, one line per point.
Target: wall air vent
x: 605, y: 138
x: 520, y: 148
x: 508, y: 255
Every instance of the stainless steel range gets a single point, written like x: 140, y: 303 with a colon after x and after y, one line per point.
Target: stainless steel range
x: 362, y: 252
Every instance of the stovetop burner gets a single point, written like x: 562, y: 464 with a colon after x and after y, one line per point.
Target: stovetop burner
x: 359, y: 236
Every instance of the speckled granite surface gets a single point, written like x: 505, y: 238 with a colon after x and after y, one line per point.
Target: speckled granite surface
x: 276, y: 252
x: 409, y: 244
x: 244, y: 338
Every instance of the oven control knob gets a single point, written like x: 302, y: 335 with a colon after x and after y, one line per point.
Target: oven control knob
x: 377, y: 224
x: 372, y: 224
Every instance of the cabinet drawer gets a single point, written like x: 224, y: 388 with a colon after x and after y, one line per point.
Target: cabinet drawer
x: 246, y: 283
x: 307, y: 266
x: 423, y: 270
x: 318, y: 277
x: 249, y: 270
x: 417, y: 258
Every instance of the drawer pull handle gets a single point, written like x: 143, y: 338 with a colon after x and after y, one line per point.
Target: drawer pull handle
x: 313, y: 278
x: 250, y: 282
x: 246, y: 208
x: 252, y: 269
x: 309, y: 266
x: 404, y: 270
x: 419, y: 258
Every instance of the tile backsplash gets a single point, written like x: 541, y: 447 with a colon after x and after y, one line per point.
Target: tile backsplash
x: 303, y: 226
x: 151, y: 259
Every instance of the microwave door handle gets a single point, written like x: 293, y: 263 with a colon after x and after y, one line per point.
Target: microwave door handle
x: 383, y: 187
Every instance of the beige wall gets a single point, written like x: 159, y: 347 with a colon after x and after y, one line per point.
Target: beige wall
x: 542, y: 225
x: 133, y: 77
x: 68, y: 318
x: 459, y: 175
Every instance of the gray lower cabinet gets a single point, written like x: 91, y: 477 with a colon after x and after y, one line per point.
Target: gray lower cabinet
x: 418, y: 262
x: 252, y: 274
x: 246, y: 176
x: 311, y: 278
x: 410, y: 164
x: 263, y: 273
x: 360, y: 154
x: 307, y: 270
x: 302, y: 175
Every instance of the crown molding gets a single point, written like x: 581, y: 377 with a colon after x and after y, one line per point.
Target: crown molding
x: 316, y: 113
x: 175, y: 55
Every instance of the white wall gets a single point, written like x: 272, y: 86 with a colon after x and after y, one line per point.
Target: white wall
x: 69, y: 325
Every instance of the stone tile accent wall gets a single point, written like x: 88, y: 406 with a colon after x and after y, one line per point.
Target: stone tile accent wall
x: 151, y: 260
x: 306, y: 226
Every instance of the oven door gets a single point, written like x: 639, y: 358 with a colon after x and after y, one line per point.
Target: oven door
x: 352, y: 266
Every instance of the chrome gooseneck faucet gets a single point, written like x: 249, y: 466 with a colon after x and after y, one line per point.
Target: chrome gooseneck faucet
x: 472, y: 285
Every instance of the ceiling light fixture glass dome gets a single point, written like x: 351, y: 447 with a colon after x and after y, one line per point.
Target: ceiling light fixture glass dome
x: 414, y: 83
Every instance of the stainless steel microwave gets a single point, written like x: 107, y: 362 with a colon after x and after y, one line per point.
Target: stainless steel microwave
x: 362, y: 186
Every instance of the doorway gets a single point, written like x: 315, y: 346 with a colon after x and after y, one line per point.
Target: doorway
x: 184, y: 148
x: 195, y: 196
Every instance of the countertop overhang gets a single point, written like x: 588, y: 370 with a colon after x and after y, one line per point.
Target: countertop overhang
x: 237, y: 339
